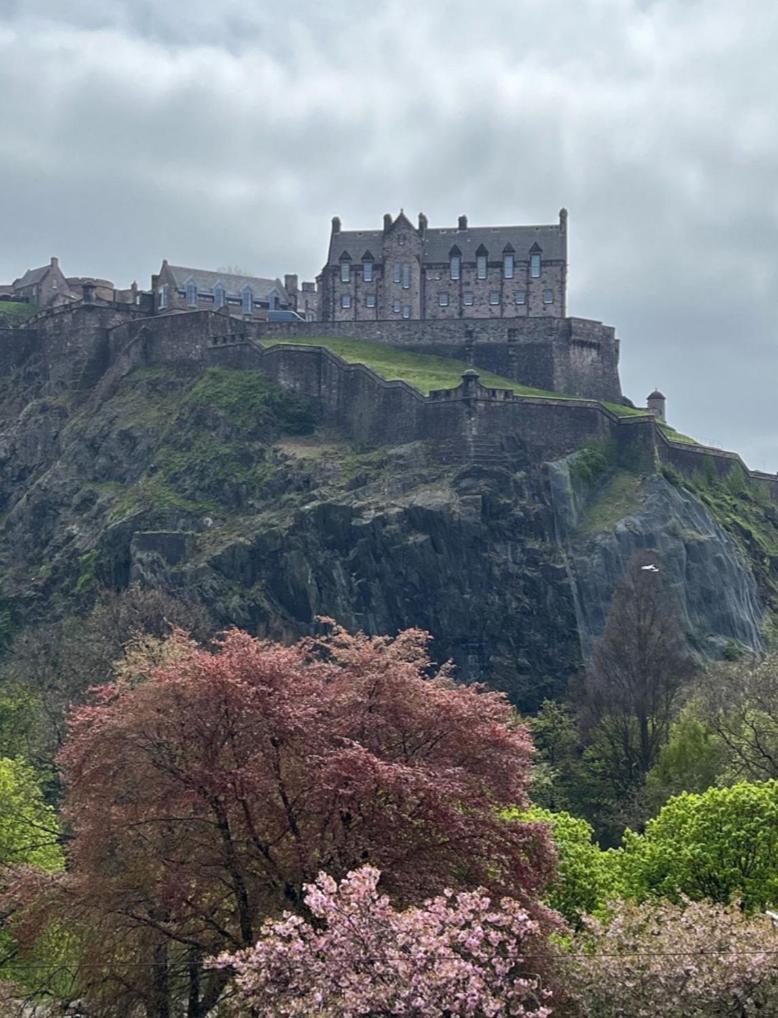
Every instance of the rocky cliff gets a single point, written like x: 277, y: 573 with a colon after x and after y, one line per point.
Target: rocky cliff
x: 219, y: 486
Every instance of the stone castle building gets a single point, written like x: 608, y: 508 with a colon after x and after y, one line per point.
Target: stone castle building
x: 417, y: 272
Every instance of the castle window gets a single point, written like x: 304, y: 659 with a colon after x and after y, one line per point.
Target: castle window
x: 507, y: 266
x: 467, y: 300
x: 548, y: 296
x: 406, y: 276
x: 247, y: 300
x: 191, y: 294
x: 162, y: 298
x: 406, y: 310
x: 396, y: 307
x: 481, y: 266
x: 494, y: 297
x: 520, y: 296
x: 345, y: 272
x: 367, y: 271
x: 218, y: 295
x: 443, y: 300
x: 397, y: 272
x: 534, y: 266
x: 345, y: 300
x: 370, y: 300
x: 456, y: 266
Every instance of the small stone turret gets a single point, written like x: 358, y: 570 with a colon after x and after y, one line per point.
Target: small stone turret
x: 656, y: 403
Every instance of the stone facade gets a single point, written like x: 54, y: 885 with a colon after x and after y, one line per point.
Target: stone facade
x: 407, y: 272
x: 178, y: 288
x: 46, y: 286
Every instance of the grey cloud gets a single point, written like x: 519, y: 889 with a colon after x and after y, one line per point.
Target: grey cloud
x: 230, y: 133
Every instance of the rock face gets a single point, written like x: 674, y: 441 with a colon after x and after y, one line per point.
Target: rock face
x: 707, y: 573
x: 220, y: 487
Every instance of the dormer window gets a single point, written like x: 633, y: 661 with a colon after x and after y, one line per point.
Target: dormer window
x: 163, y: 298
x: 507, y: 266
x: 218, y: 295
x: 247, y: 300
x: 191, y: 294
x: 367, y: 269
x: 534, y: 265
x: 345, y: 272
x: 480, y: 266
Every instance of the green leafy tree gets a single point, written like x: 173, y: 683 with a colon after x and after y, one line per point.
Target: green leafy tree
x: 742, y: 708
x: 693, y: 759
x: 719, y: 844
x: 586, y: 877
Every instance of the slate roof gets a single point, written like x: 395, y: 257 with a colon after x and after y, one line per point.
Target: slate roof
x: 438, y: 243
x: 31, y: 277
x: 207, y: 280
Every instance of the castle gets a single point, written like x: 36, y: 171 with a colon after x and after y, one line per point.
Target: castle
x: 424, y: 273
x: 515, y: 326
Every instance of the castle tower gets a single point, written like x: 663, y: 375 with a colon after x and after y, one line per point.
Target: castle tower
x: 656, y: 404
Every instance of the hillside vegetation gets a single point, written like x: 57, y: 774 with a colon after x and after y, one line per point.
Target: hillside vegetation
x: 15, y: 312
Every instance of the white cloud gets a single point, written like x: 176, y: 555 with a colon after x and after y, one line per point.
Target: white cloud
x: 217, y: 134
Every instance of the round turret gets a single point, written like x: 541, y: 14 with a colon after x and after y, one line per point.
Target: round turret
x: 656, y: 404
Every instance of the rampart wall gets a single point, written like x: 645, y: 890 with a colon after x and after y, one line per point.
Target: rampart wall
x: 96, y: 345
x: 570, y: 355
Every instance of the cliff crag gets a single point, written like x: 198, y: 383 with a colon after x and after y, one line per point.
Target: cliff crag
x: 221, y: 486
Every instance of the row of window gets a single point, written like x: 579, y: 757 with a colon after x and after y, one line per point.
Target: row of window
x: 402, y: 270
x: 468, y: 299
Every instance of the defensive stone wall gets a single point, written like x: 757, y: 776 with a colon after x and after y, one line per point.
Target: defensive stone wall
x: 96, y: 344
x: 570, y: 355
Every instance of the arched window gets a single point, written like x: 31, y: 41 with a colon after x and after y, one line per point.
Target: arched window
x: 191, y: 294
x: 247, y: 300
x: 455, y: 263
x: 218, y: 295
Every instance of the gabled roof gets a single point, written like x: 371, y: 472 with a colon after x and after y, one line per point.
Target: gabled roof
x: 233, y: 284
x: 437, y: 243
x: 31, y: 276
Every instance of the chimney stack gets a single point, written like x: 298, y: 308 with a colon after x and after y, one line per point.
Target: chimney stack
x: 563, y: 220
x: 336, y: 224
x: 422, y: 222
x: 387, y: 222
x: 54, y: 262
x: 290, y: 283
x: 462, y: 223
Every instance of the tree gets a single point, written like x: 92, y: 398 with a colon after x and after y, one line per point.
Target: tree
x: 720, y: 844
x: 586, y: 877
x: 204, y: 789
x: 692, y: 760
x: 456, y: 955
x: 742, y: 709
x: 637, y: 671
x: 687, y: 960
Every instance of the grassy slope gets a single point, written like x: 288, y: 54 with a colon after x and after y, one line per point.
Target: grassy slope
x: 426, y: 372
x: 13, y: 313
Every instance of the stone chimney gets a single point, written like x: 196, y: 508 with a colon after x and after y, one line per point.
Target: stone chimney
x: 290, y: 283
x: 462, y: 223
x: 89, y: 292
x: 422, y: 223
x: 563, y: 220
x: 54, y: 262
x: 387, y: 222
x: 336, y: 224
x: 655, y: 404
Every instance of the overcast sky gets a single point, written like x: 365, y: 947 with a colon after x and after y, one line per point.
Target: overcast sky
x: 228, y: 133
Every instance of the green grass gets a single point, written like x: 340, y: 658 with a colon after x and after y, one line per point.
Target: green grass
x: 14, y: 313
x: 423, y: 371
x: 426, y: 372
x: 618, y: 498
x: 676, y: 436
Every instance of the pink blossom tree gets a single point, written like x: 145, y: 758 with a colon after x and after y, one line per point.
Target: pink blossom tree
x: 455, y: 955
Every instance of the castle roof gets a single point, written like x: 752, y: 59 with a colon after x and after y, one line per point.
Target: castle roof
x: 233, y: 284
x: 31, y: 276
x: 656, y: 394
x: 437, y: 243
